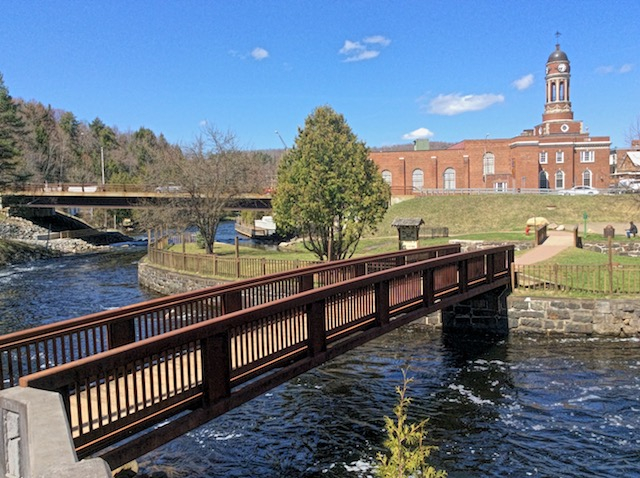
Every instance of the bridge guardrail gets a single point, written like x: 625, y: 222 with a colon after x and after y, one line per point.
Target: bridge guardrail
x: 205, y: 369
x: 51, y: 345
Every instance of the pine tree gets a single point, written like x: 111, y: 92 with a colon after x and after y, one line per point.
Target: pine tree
x: 407, y: 452
x: 10, y: 127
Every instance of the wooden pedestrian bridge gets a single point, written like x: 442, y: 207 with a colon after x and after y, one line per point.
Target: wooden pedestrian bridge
x: 134, y: 378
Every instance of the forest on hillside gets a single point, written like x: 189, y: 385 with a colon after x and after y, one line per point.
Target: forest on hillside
x: 42, y: 144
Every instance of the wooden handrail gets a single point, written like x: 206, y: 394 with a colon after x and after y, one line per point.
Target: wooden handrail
x: 50, y: 345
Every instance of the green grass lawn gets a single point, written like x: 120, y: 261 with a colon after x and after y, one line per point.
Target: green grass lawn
x: 494, y: 218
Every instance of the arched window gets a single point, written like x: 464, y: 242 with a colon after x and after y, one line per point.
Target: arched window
x: 559, y: 179
x: 449, y: 178
x: 417, y: 179
x: 488, y: 164
x: 386, y: 176
x: 562, y: 91
x: 543, y: 180
x: 586, y: 178
x: 553, y: 92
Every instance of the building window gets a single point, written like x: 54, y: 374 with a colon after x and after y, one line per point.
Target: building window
x: 587, y: 156
x: 559, y: 156
x: 543, y: 157
x: 543, y: 180
x: 500, y: 187
x: 488, y: 164
x: 449, y: 178
x: 417, y: 179
x: 560, y: 180
x: 386, y: 176
x: 586, y: 178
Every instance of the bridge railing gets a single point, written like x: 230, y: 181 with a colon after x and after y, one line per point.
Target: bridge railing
x: 50, y: 345
x: 205, y: 369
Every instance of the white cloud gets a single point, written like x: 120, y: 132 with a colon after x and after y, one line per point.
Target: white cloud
x: 454, y: 104
x: 259, y: 54
x: 609, y: 69
x: 368, y: 49
x: 377, y: 40
x: 523, y: 83
x: 605, y: 70
x: 418, y: 134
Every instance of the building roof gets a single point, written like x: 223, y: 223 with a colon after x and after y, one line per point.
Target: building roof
x: 558, y: 55
x: 634, y: 156
x: 407, y: 221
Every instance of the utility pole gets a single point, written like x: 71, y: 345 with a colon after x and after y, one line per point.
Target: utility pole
x: 283, y: 143
x: 102, y: 163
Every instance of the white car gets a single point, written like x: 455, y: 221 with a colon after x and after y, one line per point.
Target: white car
x: 579, y: 190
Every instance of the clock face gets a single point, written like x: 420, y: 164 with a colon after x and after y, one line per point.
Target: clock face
x: 562, y: 67
x: 546, y: 70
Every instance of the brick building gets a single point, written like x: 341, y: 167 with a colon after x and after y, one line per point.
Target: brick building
x: 556, y: 154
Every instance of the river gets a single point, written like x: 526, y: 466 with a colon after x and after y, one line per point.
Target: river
x: 525, y: 406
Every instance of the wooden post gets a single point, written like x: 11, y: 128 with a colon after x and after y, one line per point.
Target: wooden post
x: 317, y: 341
x: 382, y: 303
x: 122, y: 332
x: 428, y: 287
x: 237, y: 257
x: 463, y: 275
x: 216, y: 368
x: 610, y: 266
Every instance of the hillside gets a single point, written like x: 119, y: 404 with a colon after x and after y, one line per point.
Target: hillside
x: 496, y: 212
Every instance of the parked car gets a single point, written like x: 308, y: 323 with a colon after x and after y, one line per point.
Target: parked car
x: 579, y: 190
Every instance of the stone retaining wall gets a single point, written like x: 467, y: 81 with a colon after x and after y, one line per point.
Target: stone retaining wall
x: 631, y: 248
x: 167, y: 282
x: 619, y: 318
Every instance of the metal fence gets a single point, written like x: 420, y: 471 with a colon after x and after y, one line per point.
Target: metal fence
x: 603, y: 279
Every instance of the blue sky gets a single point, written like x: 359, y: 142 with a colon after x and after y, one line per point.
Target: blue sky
x: 448, y: 70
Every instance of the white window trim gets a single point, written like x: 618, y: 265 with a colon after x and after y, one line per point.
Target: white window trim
x: 543, y: 157
x: 588, y: 156
x: 559, y: 156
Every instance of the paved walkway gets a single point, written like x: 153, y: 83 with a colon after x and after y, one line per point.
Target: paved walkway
x: 557, y: 241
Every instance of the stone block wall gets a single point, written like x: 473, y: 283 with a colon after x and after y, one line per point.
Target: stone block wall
x: 167, y: 282
x: 616, y: 318
x: 631, y: 248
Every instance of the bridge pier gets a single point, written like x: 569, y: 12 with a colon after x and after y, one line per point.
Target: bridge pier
x: 485, y: 314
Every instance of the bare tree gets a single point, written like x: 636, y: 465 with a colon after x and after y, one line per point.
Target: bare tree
x: 633, y: 134
x: 202, y: 179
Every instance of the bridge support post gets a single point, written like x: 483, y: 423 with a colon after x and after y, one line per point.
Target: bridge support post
x: 485, y: 314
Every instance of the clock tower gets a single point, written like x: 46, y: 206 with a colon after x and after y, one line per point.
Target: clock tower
x: 558, y: 116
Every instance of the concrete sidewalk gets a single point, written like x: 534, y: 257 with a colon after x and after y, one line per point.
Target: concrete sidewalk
x: 557, y: 241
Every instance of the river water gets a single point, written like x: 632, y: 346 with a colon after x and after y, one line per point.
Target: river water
x: 525, y: 406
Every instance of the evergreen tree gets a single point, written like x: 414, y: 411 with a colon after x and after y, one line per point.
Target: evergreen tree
x: 328, y: 189
x: 10, y: 127
x: 407, y: 452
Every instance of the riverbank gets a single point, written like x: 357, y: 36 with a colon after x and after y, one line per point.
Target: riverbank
x: 19, y: 243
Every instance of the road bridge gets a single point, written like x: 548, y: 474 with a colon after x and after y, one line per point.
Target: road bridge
x: 184, y: 360
x: 114, y: 196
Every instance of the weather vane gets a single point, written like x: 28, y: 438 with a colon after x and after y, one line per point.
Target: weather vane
x: 558, y: 37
